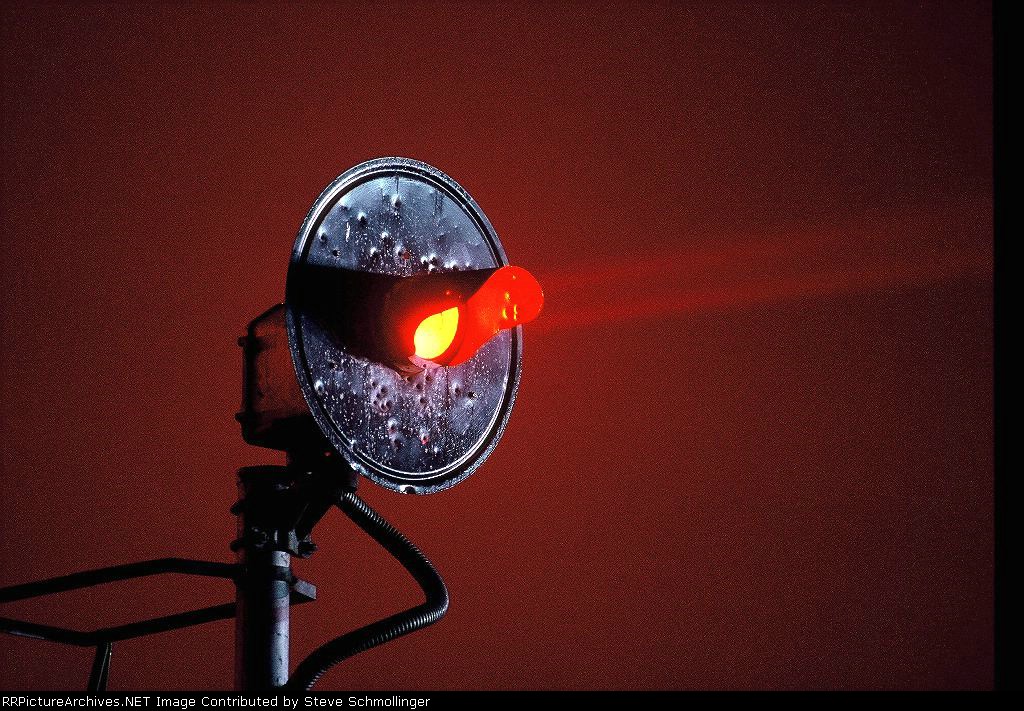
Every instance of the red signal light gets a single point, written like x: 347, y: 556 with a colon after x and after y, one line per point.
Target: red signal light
x: 435, y: 333
x: 511, y: 296
x: 415, y: 322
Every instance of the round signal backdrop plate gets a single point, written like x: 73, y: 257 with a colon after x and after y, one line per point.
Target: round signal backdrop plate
x: 414, y: 434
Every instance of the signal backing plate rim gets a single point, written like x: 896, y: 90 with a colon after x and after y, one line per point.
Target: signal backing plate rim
x: 420, y: 434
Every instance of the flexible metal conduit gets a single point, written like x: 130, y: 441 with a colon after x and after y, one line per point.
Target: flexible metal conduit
x: 347, y: 645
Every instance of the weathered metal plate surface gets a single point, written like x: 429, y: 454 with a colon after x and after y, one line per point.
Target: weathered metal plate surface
x: 420, y: 433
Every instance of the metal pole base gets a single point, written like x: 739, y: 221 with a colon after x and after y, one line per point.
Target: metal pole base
x: 263, y: 587
x: 277, y: 509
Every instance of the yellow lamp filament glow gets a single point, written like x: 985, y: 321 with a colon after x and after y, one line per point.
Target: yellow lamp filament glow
x: 435, y: 333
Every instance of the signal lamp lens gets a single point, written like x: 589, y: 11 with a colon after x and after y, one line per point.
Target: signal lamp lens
x: 511, y: 296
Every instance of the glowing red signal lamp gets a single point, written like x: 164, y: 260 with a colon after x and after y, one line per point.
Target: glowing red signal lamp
x: 415, y: 322
x: 453, y: 333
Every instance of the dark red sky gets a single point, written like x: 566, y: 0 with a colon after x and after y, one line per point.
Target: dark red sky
x: 753, y: 444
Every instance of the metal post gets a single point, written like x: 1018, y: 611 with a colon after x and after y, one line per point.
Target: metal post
x: 263, y: 588
x: 261, y: 622
x: 100, y: 667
